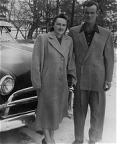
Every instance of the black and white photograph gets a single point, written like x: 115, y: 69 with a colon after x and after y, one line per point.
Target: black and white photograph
x: 58, y: 71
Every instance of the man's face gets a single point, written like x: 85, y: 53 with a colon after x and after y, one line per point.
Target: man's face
x: 60, y: 26
x: 90, y: 14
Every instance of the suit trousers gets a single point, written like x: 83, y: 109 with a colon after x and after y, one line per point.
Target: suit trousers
x: 96, y: 101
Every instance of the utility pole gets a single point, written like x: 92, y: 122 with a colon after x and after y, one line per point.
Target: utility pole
x: 58, y: 5
x: 48, y: 16
x: 72, y: 16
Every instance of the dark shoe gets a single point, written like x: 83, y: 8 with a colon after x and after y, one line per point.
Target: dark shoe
x: 91, y: 142
x: 77, y: 142
x: 43, y: 141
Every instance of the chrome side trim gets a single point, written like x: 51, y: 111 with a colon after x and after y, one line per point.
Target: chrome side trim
x: 11, y: 103
x: 16, y: 122
x: 25, y: 90
x: 16, y: 102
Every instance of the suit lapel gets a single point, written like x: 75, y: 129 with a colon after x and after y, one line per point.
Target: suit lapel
x: 64, y: 44
x: 92, y: 46
x: 82, y: 39
x: 55, y: 43
x: 53, y: 40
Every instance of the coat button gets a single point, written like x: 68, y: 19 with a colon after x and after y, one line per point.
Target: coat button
x: 61, y: 79
x: 61, y: 69
x: 62, y: 58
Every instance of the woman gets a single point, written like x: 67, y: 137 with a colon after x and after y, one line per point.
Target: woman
x: 52, y: 60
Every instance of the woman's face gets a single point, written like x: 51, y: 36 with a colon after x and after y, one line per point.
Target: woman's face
x: 60, y: 26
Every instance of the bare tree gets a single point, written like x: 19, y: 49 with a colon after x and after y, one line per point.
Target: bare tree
x: 3, y: 8
x: 19, y: 14
x: 35, y: 15
x: 43, y: 12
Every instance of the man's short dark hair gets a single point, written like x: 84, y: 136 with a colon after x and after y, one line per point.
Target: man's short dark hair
x: 90, y: 3
x: 61, y: 15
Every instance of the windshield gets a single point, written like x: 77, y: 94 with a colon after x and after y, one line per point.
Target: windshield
x: 5, y: 34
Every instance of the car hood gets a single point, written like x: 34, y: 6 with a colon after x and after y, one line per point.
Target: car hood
x: 15, y: 57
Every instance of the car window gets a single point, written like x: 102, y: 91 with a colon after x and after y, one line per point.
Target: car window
x: 5, y: 34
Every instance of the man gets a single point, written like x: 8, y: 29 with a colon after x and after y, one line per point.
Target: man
x: 94, y: 58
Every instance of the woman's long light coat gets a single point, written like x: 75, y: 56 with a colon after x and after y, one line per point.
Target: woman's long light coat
x: 51, y: 62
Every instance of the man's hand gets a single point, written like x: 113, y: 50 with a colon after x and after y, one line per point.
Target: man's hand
x: 107, y: 85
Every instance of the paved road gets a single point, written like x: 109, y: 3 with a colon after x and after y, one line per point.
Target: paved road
x: 15, y: 137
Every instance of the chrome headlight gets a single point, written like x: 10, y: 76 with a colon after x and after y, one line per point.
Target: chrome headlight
x: 6, y: 84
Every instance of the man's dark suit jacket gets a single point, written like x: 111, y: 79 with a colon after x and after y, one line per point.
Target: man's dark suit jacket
x: 95, y: 63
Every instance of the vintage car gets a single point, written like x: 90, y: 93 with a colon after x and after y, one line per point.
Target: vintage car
x: 18, y: 99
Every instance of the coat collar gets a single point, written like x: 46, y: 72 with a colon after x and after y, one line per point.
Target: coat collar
x: 83, y: 28
x: 81, y: 37
x: 55, y: 43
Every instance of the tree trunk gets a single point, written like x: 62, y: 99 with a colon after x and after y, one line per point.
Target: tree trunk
x: 34, y: 26
x: 30, y: 33
x: 58, y: 6
x: 72, y: 16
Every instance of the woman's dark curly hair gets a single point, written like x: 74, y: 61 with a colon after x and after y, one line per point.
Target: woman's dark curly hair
x: 55, y: 18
